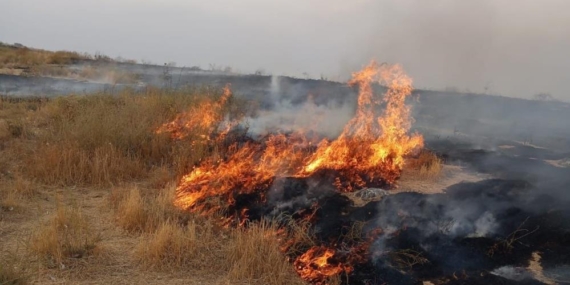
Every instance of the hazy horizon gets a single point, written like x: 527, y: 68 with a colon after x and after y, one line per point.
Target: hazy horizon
x: 505, y: 47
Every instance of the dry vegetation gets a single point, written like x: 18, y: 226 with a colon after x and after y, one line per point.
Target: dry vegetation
x: 36, y: 62
x: 86, y: 190
x: 65, y: 238
x: 427, y: 165
x: 12, y: 57
x: 19, y: 56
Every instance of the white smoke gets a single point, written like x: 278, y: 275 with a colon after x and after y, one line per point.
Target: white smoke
x: 326, y: 119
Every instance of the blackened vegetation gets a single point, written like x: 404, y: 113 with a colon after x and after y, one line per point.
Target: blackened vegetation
x: 457, y: 237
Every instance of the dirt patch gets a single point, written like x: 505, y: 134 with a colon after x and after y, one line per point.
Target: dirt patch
x: 451, y: 174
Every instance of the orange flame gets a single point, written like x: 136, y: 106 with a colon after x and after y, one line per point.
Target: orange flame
x: 372, y: 145
x: 204, y: 117
x: 314, y: 265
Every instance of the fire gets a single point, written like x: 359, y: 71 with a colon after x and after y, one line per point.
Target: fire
x: 314, y: 265
x: 372, y: 147
x: 204, y: 117
x: 370, y: 151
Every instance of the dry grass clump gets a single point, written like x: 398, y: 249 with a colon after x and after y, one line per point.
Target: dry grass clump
x: 14, y: 191
x: 298, y: 237
x: 5, y: 132
x: 65, y: 239
x: 248, y: 255
x: 144, y: 211
x: 174, y: 246
x: 428, y: 164
x: 407, y: 258
x: 253, y: 255
x: 105, y: 139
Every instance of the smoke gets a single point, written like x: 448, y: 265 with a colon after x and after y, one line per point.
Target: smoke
x: 513, y: 273
x: 326, y: 119
x: 514, y: 49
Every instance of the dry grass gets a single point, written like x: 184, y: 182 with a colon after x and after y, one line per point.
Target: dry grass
x: 68, y: 164
x: 254, y: 255
x: 299, y: 236
x: 108, y: 142
x: 173, y: 247
x: 11, y: 275
x: 14, y: 192
x: 175, y: 240
x: 428, y: 165
x: 137, y: 211
x: 25, y: 57
x: 407, y: 258
x: 66, y: 238
x: 104, y: 139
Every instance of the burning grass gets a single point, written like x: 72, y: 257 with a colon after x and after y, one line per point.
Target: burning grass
x: 370, y: 152
x: 115, y: 141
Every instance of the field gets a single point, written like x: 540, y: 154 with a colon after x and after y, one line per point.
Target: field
x: 204, y: 179
x: 87, y: 191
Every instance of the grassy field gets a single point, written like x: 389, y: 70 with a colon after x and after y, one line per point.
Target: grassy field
x: 86, y: 189
x: 19, y: 60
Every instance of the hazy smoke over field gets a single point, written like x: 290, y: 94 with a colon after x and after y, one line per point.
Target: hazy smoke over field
x: 513, y: 48
x: 326, y: 119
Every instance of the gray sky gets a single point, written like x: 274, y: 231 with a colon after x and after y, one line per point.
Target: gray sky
x: 513, y: 47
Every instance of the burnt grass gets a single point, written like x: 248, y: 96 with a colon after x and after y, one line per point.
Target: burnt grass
x: 526, y: 200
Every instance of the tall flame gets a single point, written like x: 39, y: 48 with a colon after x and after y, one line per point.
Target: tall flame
x: 372, y: 145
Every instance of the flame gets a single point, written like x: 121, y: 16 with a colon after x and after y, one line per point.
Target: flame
x: 314, y: 265
x: 204, y: 117
x: 372, y: 147
x: 370, y: 150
